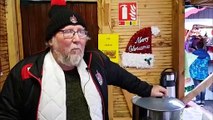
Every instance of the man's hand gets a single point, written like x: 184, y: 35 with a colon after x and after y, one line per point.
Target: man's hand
x: 158, y: 91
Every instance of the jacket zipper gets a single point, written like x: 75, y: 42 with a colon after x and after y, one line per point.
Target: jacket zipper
x: 39, y: 81
x: 99, y: 91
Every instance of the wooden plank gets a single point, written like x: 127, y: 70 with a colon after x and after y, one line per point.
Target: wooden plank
x: 4, y: 57
x: 110, y: 103
x: 122, y: 118
x: 119, y: 104
x: 178, y: 34
x: 19, y: 31
x: 12, y: 34
x: 202, y: 86
x: 128, y: 97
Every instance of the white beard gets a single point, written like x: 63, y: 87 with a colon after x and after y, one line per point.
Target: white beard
x: 66, y: 56
x: 70, y: 59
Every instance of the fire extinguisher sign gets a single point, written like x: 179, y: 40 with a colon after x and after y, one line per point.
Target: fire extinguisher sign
x: 127, y: 13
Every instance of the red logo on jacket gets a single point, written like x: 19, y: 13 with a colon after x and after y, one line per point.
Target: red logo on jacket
x: 25, y: 71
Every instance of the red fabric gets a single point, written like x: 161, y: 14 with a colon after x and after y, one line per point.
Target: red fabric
x: 25, y: 71
x: 58, y: 2
x: 140, y: 42
x: 210, y: 48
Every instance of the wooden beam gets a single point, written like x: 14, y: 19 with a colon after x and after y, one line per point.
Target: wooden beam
x: 122, y: 118
x: 202, y: 86
x: 110, y: 103
x: 128, y: 97
x: 12, y: 33
x: 104, y: 21
x: 178, y: 45
x: 19, y: 29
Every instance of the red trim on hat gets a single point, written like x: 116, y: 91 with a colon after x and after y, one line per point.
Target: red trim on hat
x: 58, y: 2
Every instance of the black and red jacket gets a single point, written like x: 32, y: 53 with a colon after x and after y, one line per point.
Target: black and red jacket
x: 19, y: 98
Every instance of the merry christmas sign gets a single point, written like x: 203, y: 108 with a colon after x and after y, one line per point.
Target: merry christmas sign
x: 138, y: 52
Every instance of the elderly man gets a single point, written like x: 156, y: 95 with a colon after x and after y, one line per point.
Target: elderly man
x: 66, y: 81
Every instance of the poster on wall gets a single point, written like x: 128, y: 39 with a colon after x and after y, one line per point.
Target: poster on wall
x: 127, y: 13
x: 138, y: 52
x: 108, y: 44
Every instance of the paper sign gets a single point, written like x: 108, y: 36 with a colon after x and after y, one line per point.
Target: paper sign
x: 108, y: 44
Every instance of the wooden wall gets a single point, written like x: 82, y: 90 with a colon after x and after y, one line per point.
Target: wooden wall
x: 4, y: 56
x: 161, y: 13
x: 150, y: 13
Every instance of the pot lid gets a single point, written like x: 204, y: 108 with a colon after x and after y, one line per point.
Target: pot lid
x: 166, y: 104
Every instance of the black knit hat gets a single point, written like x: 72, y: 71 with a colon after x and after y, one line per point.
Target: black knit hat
x: 60, y: 16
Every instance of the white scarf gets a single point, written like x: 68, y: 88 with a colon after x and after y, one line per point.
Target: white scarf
x: 52, y: 104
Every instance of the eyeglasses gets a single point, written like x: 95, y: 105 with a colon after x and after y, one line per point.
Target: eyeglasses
x: 69, y: 34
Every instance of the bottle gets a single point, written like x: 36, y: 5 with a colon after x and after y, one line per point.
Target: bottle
x: 168, y: 80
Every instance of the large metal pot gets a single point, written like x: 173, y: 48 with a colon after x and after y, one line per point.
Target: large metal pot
x: 166, y: 108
